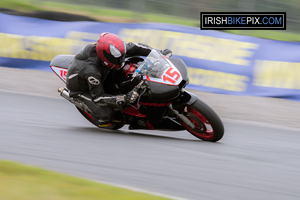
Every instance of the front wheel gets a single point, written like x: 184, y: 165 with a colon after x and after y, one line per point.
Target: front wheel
x: 208, y: 125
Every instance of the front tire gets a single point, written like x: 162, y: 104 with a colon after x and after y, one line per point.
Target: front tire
x: 208, y: 125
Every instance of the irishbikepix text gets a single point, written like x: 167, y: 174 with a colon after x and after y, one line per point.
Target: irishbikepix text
x: 210, y: 21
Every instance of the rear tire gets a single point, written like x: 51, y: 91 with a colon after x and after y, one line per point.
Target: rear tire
x: 209, y: 126
x: 91, y: 119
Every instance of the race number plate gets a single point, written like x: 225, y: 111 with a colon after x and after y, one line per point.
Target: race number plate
x: 60, y: 72
x: 171, y: 76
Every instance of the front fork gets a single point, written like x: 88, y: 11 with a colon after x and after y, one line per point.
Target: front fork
x: 186, y: 98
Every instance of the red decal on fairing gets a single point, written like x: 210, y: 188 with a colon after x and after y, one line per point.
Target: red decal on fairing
x: 171, y: 75
x: 134, y: 112
x: 89, y: 115
x: 155, y: 104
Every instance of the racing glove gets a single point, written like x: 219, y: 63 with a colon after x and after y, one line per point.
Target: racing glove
x: 131, y: 97
x: 167, y: 53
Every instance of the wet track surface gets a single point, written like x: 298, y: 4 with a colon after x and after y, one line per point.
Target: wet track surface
x: 250, y: 162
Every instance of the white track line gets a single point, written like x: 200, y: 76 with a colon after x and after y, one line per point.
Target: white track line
x: 140, y: 190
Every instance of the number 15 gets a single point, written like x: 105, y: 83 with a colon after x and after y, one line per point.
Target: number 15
x: 172, y: 76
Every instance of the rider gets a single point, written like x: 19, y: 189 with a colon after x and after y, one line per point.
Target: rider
x: 90, y: 67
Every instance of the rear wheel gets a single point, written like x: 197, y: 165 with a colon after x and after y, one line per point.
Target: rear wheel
x: 208, y: 125
x: 92, y: 120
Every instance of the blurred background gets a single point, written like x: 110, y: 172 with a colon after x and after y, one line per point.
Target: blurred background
x: 276, y: 66
x: 185, y: 12
x: 245, y: 65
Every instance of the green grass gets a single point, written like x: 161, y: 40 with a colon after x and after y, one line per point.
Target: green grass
x: 99, y: 13
x: 118, y: 15
x: 20, y: 5
x: 115, y: 15
x: 20, y: 182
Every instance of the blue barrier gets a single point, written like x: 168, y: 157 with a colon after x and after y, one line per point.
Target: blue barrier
x: 218, y: 62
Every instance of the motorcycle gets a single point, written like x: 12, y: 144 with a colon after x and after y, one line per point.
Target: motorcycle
x: 163, y: 103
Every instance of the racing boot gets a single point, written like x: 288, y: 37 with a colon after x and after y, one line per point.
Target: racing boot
x: 103, y: 122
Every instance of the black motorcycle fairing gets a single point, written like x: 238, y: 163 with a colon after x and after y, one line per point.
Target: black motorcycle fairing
x: 162, y: 92
x: 186, y: 98
x: 180, y: 65
x: 192, y: 97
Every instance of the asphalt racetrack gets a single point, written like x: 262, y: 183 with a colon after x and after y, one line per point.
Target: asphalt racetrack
x: 250, y: 162
x: 258, y: 157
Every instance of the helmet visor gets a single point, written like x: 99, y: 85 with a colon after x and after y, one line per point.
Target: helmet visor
x: 114, y: 60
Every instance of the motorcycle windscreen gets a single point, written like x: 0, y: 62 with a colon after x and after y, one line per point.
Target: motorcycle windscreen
x: 159, y: 69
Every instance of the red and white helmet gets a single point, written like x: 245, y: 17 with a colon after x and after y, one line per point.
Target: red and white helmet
x: 111, y: 50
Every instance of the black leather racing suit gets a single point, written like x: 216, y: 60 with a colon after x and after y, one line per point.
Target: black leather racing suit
x: 86, y: 75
